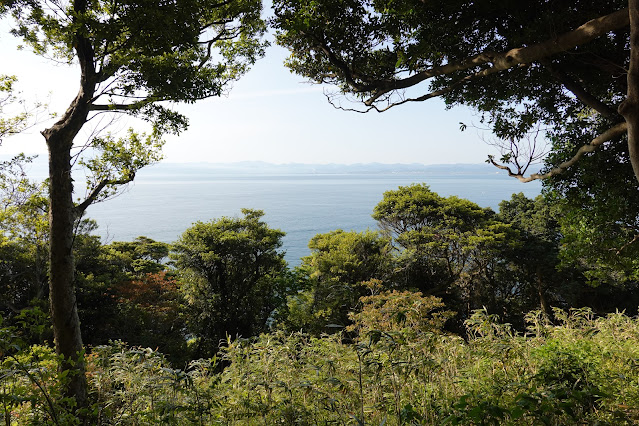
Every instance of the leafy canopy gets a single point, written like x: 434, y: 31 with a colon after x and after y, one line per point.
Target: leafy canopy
x: 145, y: 52
x: 232, y: 276
x: 553, y: 69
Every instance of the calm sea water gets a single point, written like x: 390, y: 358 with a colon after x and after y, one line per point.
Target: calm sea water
x: 302, y: 205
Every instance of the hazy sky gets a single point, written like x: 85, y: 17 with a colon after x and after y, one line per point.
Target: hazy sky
x: 270, y: 115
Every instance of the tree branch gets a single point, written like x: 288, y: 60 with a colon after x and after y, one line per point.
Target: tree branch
x: 502, y: 60
x: 437, y: 93
x: 347, y: 73
x: 628, y: 244
x: 609, y: 134
x: 117, y: 107
x: 579, y: 91
x: 629, y: 108
x: 80, y: 208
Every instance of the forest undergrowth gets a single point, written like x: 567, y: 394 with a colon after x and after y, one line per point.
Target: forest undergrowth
x: 394, y: 365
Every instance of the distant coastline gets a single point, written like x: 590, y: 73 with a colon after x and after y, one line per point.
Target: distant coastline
x: 38, y: 169
x: 263, y: 168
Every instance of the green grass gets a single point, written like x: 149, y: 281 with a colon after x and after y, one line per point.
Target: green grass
x: 577, y: 370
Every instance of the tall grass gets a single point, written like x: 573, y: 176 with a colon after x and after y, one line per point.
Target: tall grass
x: 394, y: 366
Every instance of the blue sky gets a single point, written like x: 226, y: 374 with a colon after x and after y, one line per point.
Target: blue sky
x: 270, y: 115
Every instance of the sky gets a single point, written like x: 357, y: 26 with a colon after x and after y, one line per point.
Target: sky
x: 270, y: 115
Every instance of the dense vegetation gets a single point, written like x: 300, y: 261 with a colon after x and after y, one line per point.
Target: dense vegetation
x: 451, y: 313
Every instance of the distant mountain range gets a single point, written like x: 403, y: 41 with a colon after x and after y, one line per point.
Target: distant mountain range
x: 258, y: 167
x: 39, y: 169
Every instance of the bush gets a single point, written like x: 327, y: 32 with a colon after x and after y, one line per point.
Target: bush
x: 397, y: 367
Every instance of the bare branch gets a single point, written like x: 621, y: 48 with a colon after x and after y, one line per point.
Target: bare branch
x: 95, y: 131
x: 609, y: 134
x: 80, y: 208
x: 521, y: 153
x: 628, y: 244
x: 437, y: 93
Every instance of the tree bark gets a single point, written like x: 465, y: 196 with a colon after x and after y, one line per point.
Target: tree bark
x: 629, y: 108
x: 62, y: 217
x: 540, y: 290
x: 64, y: 312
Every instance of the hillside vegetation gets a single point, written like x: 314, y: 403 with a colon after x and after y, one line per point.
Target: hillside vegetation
x: 450, y: 314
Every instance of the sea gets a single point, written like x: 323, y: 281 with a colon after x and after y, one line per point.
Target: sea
x: 301, y: 201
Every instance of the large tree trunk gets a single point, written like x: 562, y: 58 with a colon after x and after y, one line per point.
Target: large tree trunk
x: 629, y: 108
x: 64, y: 312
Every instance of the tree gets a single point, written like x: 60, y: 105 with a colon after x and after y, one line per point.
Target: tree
x: 23, y: 240
x: 343, y: 266
x: 140, y: 256
x: 551, y: 263
x: 517, y: 63
x: 232, y: 276
x: 125, y: 293
x: 23, y: 237
x: 536, y: 260
x: 134, y: 58
x: 24, y: 253
x: 567, y: 70
x: 449, y: 247
x: 15, y: 115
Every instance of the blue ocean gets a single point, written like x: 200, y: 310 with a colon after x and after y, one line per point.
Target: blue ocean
x: 163, y: 203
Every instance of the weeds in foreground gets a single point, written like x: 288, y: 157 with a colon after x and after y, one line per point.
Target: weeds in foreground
x: 396, y: 367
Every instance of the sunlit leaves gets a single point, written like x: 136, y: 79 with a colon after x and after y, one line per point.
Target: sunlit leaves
x: 117, y: 160
x: 14, y: 123
x: 145, y: 52
x: 232, y: 275
x: 339, y: 270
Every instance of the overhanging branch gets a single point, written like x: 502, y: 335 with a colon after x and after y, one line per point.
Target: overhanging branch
x: 116, y: 107
x: 609, y: 134
x: 579, y: 91
x: 80, y: 208
x: 500, y: 61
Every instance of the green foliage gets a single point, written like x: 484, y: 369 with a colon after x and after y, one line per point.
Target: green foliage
x: 125, y: 293
x: 140, y: 256
x: 400, y: 369
x: 372, y: 50
x: 599, y: 229
x: 389, y: 325
x: 145, y: 53
x: 394, y: 311
x: 115, y: 161
x: 537, y: 217
x: 31, y: 385
x: 232, y: 277
x: 14, y: 123
x: 534, y: 264
x: 339, y: 271
x: 138, y: 386
x: 449, y: 247
x: 395, y: 374
x: 387, y: 53
x: 135, y: 57
x: 23, y: 237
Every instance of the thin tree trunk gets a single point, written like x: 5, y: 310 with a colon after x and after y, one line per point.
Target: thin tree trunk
x: 64, y: 313
x: 540, y: 290
x: 62, y: 216
x: 629, y: 108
